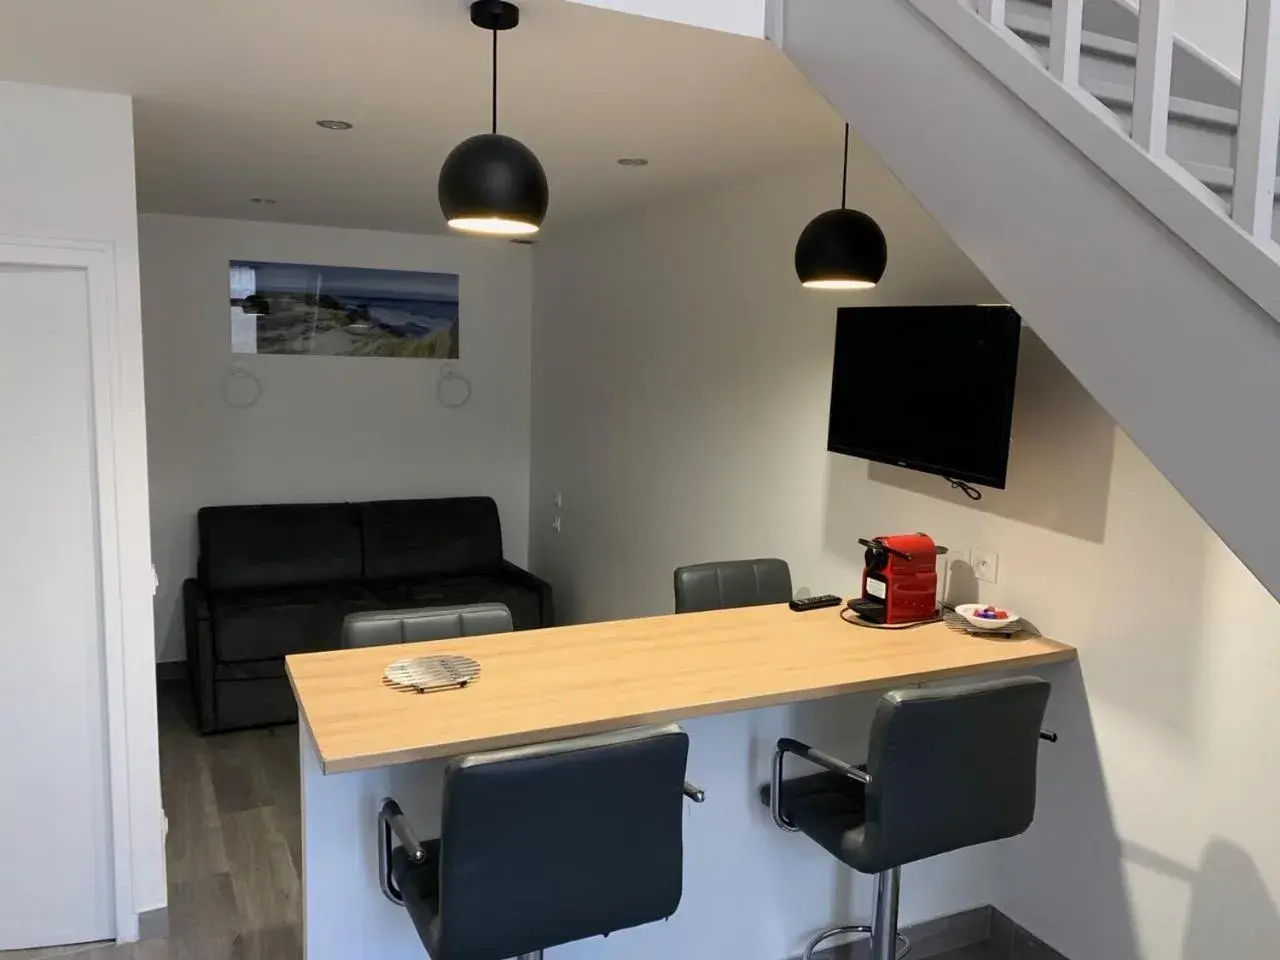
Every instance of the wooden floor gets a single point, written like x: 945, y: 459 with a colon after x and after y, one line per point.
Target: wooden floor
x: 233, y: 848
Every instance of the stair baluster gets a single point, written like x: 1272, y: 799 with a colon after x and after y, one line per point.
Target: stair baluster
x: 1154, y: 75
x: 992, y: 11
x: 1064, y: 41
x: 1254, y: 194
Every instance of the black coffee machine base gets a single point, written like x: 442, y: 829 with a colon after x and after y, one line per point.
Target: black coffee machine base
x: 872, y: 611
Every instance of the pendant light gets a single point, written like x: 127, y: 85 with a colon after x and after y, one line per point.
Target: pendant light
x: 490, y: 183
x: 841, y: 249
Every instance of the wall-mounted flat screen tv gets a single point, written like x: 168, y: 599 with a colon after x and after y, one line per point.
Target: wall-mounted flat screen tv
x: 928, y: 388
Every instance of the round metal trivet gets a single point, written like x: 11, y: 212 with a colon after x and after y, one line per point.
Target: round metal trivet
x: 957, y: 622
x: 424, y: 674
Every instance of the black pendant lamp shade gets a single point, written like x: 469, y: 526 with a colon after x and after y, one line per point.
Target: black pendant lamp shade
x: 841, y: 249
x: 491, y: 183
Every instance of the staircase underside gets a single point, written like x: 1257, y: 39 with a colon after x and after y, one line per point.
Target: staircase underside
x: 1187, y: 365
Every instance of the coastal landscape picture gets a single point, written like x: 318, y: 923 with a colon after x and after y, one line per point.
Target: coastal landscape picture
x: 297, y: 308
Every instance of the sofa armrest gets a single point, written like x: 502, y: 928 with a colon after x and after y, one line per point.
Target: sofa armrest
x: 513, y: 574
x: 199, y: 631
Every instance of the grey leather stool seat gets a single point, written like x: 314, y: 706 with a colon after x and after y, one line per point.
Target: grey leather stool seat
x: 376, y: 628
x: 947, y: 767
x: 545, y: 844
x: 732, y: 583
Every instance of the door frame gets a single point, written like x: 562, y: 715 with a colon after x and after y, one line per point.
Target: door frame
x: 97, y: 260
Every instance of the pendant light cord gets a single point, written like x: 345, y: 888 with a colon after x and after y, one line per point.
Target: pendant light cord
x: 495, y: 88
x: 844, y: 172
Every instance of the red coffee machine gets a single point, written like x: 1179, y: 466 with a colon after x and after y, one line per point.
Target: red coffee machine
x: 899, y: 580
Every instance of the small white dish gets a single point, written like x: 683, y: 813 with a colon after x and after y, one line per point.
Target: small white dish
x: 970, y: 613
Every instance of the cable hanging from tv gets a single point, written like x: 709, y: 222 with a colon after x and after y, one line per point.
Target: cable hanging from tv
x: 973, y: 493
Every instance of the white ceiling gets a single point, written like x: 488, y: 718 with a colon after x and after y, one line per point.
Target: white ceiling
x: 228, y: 92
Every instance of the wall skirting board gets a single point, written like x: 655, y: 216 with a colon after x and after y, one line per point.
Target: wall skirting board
x: 1004, y: 938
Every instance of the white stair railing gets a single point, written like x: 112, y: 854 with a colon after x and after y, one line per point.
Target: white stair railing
x: 1065, y: 30
x: 1154, y: 75
x: 992, y: 11
x: 1238, y: 241
x: 1255, y: 174
x: 1253, y: 196
x: 1255, y: 171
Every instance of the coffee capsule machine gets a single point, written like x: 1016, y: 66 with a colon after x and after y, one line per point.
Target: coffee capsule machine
x: 899, y: 580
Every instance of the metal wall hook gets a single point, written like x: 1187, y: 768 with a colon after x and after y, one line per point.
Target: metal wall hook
x: 1049, y: 735
x: 696, y: 794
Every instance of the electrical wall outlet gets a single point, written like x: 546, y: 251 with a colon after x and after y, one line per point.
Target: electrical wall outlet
x: 986, y: 564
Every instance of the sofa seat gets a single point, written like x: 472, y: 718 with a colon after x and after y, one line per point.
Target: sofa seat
x: 278, y: 579
x: 250, y: 670
x: 524, y: 603
x: 272, y: 623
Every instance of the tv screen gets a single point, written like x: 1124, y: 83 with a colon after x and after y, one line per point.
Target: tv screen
x: 929, y: 388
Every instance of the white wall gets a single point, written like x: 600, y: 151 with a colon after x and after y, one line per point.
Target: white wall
x: 325, y: 428
x: 681, y: 380
x: 69, y: 176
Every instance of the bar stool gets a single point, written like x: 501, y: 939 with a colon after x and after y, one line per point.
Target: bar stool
x: 380, y: 627
x: 732, y: 583
x: 545, y: 844
x: 946, y: 768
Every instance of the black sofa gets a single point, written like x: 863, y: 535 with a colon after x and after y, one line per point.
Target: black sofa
x: 279, y: 579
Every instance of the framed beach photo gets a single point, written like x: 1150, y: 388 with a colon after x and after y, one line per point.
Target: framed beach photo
x: 308, y: 309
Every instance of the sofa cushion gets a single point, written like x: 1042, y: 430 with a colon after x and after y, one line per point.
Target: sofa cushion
x: 266, y: 624
x: 430, y: 538
x: 277, y: 545
x: 254, y: 703
x: 524, y: 603
x: 250, y: 670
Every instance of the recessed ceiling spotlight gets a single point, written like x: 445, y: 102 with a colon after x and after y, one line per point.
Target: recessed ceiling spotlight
x: 264, y: 201
x: 334, y: 124
x: 633, y: 162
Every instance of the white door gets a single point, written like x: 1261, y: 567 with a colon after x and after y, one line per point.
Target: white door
x: 56, y: 880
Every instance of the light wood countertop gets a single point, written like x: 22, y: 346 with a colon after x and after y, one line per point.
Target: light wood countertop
x: 563, y: 681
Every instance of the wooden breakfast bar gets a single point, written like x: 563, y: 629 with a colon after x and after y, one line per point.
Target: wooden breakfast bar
x: 362, y: 740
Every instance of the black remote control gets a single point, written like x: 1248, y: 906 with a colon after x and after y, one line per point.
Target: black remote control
x: 816, y: 603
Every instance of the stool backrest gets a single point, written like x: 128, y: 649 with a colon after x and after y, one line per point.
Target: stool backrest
x: 732, y: 583
x: 550, y: 843
x: 952, y: 767
x: 425, y: 623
